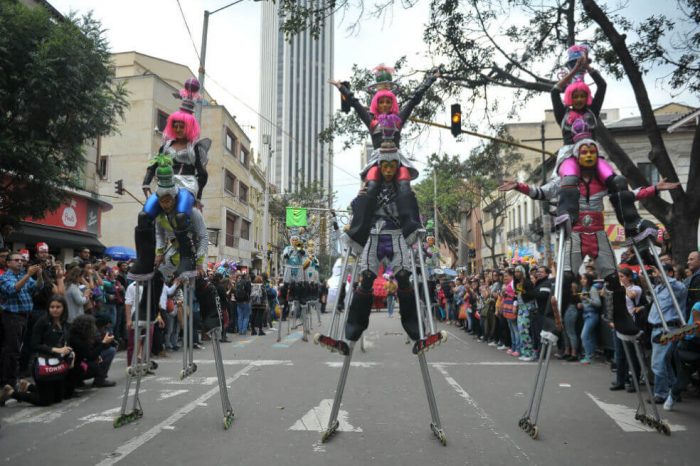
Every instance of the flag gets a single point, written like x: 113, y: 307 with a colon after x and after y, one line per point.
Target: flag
x: 296, y: 217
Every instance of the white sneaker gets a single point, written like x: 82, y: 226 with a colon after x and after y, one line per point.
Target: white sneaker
x: 668, y: 404
x: 493, y: 343
x: 526, y: 358
x: 501, y: 347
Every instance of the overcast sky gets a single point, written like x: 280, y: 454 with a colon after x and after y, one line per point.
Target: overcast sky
x: 157, y: 28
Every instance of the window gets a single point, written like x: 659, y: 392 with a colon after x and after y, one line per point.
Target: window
x: 230, y: 142
x: 243, y: 157
x: 242, y: 192
x: 650, y: 172
x: 162, y: 120
x: 102, y: 167
x: 245, y: 229
x: 230, y: 229
x: 230, y: 183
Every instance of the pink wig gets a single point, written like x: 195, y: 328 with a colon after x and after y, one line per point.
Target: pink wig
x: 191, y: 126
x: 577, y: 86
x: 383, y: 93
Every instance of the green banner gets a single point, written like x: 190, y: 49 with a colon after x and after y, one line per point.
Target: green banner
x: 296, y: 217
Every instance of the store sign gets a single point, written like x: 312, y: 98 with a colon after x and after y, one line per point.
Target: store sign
x: 79, y: 214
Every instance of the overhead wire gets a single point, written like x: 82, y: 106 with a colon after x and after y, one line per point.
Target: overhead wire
x: 189, y: 33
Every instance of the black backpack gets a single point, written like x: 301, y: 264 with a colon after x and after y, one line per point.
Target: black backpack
x: 242, y: 290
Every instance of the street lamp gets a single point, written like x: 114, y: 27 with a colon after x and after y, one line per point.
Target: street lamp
x: 203, y: 54
x: 267, y: 141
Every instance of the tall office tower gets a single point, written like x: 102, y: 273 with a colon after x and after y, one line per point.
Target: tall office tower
x: 296, y: 102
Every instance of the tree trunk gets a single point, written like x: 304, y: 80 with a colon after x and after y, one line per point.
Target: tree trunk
x: 684, y: 231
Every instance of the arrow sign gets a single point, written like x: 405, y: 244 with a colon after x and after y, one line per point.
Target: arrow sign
x: 316, y: 420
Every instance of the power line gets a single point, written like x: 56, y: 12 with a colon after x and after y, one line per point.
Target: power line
x: 189, y: 33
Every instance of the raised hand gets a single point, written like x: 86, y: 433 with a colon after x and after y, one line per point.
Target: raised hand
x: 664, y: 185
x: 508, y: 185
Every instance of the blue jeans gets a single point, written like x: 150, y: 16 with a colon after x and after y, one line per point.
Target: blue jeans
x: 172, y: 329
x: 107, y: 357
x: 661, y: 356
x: 588, y: 333
x: 570, y: 318
x: 110, y: 311
x: 243, y: 318
x: 514, y: 335
x: 390, y: 304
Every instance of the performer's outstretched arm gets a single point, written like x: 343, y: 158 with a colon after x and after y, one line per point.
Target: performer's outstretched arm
x: 362, y: 112
x: 408, y: 107
x: 601, y: 86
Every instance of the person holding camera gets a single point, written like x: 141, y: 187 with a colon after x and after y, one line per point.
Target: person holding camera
x: 16, y: 288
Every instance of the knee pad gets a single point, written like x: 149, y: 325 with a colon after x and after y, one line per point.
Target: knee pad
x: 374, y: 174
x: 181, y: 220
x: 145, y: 220
x: 403, y: 279
x: 367, y: 280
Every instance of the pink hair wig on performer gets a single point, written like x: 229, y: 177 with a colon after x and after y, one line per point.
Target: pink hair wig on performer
x: 191, y: 126
x: 375, y: 100
x: 577, y: 86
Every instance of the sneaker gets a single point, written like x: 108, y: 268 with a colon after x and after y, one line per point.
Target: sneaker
x: 493, y: 343
x: 197, y: 346
x: 501, y: 347
x: 515, y: 354
x: 527, y: 358
x: 585, y: 361
x: 510, y: 351
x: 668, y: 404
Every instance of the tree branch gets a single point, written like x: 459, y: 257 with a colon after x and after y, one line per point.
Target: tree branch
x: 658, y: 155
x: 693, y: 187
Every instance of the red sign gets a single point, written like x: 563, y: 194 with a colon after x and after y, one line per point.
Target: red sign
x: 76, y: 215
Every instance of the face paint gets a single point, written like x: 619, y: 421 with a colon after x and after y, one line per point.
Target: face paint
x: 167, y: 203
x: 384, y: 105
x: 388, y: 169
x: 587, y: 155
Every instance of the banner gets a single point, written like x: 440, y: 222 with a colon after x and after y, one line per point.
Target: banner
x: 296, y: 217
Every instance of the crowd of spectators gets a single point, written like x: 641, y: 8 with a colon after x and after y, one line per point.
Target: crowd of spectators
x: 506, y: 309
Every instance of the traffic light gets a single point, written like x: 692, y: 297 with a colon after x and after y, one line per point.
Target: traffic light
x: 119, y: 187
x: 344, y: 102
x: 456, y: 120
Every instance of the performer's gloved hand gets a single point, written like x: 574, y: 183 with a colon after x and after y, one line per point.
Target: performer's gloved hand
x: 563, y: 221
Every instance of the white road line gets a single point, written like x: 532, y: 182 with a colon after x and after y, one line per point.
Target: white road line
x: 519, y: 454
x: 316, y: 419
x: 44, y: 415
x: 165, y: 394
x: 364, y: 364
x: 624, y: 417
x: 484, y: 363
x: 227, y: 362
x: 139, y: 440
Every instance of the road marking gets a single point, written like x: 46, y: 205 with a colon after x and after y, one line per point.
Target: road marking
x: 484, y: 363
x: 565, y: 385
x: 242, y: 343
x: 289, y: 340
x: 624, y: 417
x: 104, y: 416
x: 139, y: 440
x: 165, y: 394
x: 228, y: 362
x: 364, y: 364
x: 186, y: 381
x: 483, y: 415
x: 316, y: 420
x: 44, y: 415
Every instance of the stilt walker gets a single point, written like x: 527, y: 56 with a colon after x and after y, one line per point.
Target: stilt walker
x: 311, y: 277
x: 293, y: 277
x: 211, y: 309
x: 386, y: 246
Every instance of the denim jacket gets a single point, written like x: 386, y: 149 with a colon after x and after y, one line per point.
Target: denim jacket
x: 679, y: 289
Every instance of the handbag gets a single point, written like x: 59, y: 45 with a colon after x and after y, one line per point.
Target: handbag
x: 462, y: 312
x: 508, y: 309
x: 52, y: 369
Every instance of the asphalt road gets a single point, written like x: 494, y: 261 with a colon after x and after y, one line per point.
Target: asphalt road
x: 281, y: 395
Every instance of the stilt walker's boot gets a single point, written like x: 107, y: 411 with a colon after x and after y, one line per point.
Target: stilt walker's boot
x: 360, y: 307
x: 627, y: 214
x: 363, y: 207
x: 188, y: 261
x: 407, y: 308
x: 145, y: 241
x: 407, y: 205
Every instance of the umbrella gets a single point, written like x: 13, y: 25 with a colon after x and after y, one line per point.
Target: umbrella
x: 449, y: 272
x: 120, y: 253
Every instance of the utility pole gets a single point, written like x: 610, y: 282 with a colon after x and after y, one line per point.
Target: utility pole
x: 266, y: 221
x: 544, y: 205
x: 435, y: 209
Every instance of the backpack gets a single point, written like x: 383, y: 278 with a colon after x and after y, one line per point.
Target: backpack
x: 257, y: 297
x: 242, y: 294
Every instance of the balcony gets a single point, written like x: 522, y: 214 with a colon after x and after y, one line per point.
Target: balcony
x: 232, y: 241
x: 515, y: 233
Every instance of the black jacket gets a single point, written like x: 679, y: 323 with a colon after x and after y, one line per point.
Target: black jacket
x: 45, y: 335
x: 543, y: 290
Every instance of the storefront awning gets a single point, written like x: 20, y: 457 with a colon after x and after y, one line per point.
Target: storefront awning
x: 31, y: 234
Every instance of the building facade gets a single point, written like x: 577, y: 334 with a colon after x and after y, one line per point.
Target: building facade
x: 296, y: 101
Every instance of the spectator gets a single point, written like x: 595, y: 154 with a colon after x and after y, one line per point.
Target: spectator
x: 243, y: 303
x: 4, y: 253
x: 572, y: 312
x: 222, y: 287
x: 633, y: 297
x: 526, y: 306
x: 258, y: 301
x: 661, y: 355
x: 693, y: 283
x: 83, y: 257
x: 543, y: 293
x: 174, y: 310
x: 510, y: 313
x: 120, y: 285
x: 130, y: 299
x: 49, y: 338
x: 232, y: 305
x: 322, y: 295
x: 93, y: 351
x: 77, y: 293
x: 16, y: 290
x: 590, y: 301
x: 390, y: 286
x: 6, y: 229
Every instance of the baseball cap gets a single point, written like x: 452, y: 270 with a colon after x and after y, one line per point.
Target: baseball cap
x: 42, y: 247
